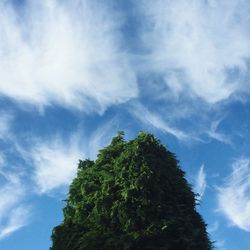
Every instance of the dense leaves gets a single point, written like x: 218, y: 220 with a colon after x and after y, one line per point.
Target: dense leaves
x: 134, y: 196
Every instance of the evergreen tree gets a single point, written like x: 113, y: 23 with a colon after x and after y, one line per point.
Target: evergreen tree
x: 134, y: 197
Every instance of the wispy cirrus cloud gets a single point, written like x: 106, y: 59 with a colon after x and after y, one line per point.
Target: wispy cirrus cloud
x: 5, y: 125
x: 233, y: 196
x: 213, y: 227
x: 55, y: 163
x: 216, y: 135
x: 200, y: 47
x: 63, y: 52
x: 101, y: 137
x: 55, y: 160
x: 14, y: 214
x: 18, y: 218
x: 201, y: 183
x: 154, y: 120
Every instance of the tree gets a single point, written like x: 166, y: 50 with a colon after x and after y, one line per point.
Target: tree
x: 134, y: 196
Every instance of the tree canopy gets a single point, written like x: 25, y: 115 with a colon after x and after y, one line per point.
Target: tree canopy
x: 133, y: 196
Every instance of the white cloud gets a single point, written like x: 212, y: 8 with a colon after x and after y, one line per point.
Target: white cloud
x: 5, y: 124
x: 201, y: 184
x: 18, y: 218
x: 13, y: 214
x: 201, y: 47
x: 2, y: 160
x: 213, y: 227
x: 55, y: 163
x: 213, y: 133
x: 220, y: 244
x: 101, y: 137
x: 154, y: 120
x: 55, y: 160
x: 234, y: 195
x: 63, y: 52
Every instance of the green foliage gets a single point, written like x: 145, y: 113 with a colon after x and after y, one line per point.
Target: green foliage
x: 134, y: 196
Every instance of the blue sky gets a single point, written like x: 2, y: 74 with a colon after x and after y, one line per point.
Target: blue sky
x: 73, y: 73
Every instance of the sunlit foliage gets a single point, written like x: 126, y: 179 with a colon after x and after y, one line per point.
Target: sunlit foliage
x: 134, y: 196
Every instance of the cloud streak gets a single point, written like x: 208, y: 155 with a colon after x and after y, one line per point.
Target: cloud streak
x: 214, y: 134
x: 233, y: 196
x: 155, y: 121
x: 55, y: 160
x: 13, y: 213
x: 55, y: 163
x: 201, y: 183
x: 5, y: 125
